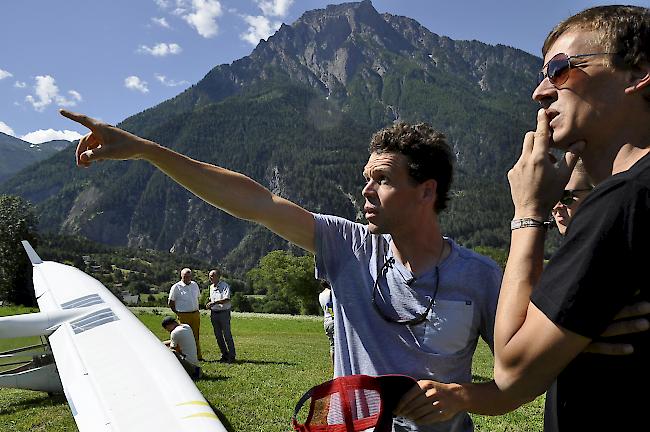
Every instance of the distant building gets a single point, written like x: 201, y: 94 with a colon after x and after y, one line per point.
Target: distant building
x: 129, y: 299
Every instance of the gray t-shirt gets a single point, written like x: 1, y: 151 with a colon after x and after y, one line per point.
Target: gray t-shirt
x: 441, y: 348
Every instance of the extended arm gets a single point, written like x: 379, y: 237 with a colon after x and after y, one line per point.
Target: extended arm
x: 232, y: 192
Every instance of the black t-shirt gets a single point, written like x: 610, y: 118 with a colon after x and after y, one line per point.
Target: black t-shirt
x: 602, y: 266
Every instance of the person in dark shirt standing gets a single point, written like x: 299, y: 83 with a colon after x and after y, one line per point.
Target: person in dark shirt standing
x: 595, y: 96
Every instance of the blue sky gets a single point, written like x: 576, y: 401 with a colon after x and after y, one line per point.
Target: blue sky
x: 114, y: 58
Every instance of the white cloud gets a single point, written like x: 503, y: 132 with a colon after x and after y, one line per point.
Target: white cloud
x: 259, y: 27
x: 135, y: 83
x: 46, y: 92
x: 163, y: 4
x: 162, y: 22
x: 20, y: 84
x: 4, y: 74
x: 42, y: 135
x: 75, y: 94
x: 169, y: 83
x: 161, y: 49
x: 203, y: 16
x: 4, y: 128
x: 274, y: 7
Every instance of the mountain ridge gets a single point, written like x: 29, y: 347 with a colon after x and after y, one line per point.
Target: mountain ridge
x: 18, y: 154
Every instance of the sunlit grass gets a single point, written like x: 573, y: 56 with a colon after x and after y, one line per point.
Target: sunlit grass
x: 278, y: 359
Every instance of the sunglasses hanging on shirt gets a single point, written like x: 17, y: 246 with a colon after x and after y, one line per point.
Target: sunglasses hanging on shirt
x: 420, y: 318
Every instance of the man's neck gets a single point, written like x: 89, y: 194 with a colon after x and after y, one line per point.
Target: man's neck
x: 627, y: 157
x: 422, y: 250
x: 609, y: 155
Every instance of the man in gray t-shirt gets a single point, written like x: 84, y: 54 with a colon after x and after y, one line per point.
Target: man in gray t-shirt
x: 465, y: 289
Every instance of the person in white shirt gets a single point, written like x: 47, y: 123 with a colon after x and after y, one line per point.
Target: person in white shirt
x: 184, y: 301
x: 183, y: 345
x: 326, y: 303
x: 219, y: 306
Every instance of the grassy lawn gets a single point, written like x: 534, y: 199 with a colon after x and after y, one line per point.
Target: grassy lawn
x: 278, y: 359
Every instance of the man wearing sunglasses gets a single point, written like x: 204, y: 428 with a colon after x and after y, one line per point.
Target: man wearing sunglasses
x: 595, y: 98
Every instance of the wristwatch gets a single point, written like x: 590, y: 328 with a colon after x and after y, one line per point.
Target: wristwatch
x: 527, y: 223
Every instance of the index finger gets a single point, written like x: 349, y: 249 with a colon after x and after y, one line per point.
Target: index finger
x: 89, y: 122
x: 542, y: 141
x: 638, y: 309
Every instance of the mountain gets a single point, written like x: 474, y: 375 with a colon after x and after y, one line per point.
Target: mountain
x: 297, y: 115
x: 18, y: 154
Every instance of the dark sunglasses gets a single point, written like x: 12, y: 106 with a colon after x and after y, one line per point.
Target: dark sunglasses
x: 557, y: 69
x: 409, y: 322
x: 569, y: 195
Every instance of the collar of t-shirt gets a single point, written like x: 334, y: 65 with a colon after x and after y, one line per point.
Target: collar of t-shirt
x: 407, y: 275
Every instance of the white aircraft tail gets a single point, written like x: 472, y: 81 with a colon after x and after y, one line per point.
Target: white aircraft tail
x: 31, y: 253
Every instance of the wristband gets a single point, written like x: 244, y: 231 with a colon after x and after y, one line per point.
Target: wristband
x: 527, y: 223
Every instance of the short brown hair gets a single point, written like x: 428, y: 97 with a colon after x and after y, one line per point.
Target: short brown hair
x: 427, y: 152
x: 624, y: 30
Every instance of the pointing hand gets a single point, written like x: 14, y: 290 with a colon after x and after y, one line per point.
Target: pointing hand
x: 105, y: 141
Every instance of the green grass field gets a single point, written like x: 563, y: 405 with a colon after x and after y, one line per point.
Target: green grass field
x: 279, y: 358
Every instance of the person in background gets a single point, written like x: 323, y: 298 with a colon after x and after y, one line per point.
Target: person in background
x: 575, y: 191
x: 184, y: 302
x: 327, y: 304
x: 219, y: 306
x: 182, y: 343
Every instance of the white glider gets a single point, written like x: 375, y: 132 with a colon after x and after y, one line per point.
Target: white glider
x: 115, y: 373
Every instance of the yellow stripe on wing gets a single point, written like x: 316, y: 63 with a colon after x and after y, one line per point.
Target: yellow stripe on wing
x: 193, y: 403
x: 204, y: 414
x: 207, y: 414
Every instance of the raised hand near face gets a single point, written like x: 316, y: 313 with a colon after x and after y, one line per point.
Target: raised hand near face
x: 537, y: 179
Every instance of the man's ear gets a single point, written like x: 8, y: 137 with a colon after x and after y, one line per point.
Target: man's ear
x: 430, y: 190
x: 640, y: 79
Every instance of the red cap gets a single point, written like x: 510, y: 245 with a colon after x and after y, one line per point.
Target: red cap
x: 353, y: 403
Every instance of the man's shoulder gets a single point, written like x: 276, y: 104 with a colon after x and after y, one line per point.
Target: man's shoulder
x: 332, y: 221
x: 475, y: 259
x: 182, y: 328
